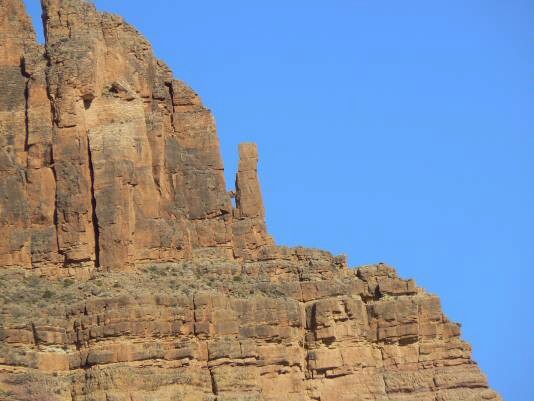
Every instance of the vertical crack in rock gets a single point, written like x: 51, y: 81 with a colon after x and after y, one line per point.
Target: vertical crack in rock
x: 35, y: 335
x: 94, y: 218
x: 55, y: 217
x: 173, y: 108
x: 214, y: 388
x: 26, y: 113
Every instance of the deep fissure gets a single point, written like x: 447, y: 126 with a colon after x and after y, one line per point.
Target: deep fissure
x: 96, y: 228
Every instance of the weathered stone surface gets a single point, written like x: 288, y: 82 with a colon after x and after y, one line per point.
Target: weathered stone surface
x: 107, y: 159
x: 249, y: 229
x: 127, y: 275
x: 235, y: 339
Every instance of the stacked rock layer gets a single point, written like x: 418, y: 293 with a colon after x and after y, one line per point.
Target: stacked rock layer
x: 126, y: 274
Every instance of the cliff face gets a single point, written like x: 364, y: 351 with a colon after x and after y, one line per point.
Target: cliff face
x: 122, y: 161
x: 127, y: 274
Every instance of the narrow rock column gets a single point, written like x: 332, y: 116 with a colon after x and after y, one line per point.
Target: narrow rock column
x: 249, y: 228
x: 249, y: 202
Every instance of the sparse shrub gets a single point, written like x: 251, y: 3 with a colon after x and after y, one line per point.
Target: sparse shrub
x: 68, y: 282
x: 6, y: 393
x: 33, y: 281
x: 68, y: 298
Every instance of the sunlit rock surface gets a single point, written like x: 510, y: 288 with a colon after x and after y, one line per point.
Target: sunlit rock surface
x: 126, y: 273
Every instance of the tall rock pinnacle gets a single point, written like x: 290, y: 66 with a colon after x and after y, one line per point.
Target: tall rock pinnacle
x: 250, y: 232
x: 126, y: 274
x: 122, y: 161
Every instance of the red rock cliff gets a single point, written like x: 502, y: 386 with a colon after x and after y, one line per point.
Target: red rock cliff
x: 108, y: 159
x: 127, y: 275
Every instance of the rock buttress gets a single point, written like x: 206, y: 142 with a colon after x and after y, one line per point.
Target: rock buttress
x: 144, y: 139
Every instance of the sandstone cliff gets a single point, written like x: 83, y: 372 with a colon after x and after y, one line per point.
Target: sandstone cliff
x: 127, y: 274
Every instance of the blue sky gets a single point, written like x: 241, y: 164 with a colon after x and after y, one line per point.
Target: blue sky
x: 389, y: 131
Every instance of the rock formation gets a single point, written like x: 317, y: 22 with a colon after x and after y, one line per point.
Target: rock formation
x: 127, y: 275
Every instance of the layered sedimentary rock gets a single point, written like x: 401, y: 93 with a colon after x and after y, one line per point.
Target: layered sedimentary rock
x: 301, y: 327
x: 127, y: 275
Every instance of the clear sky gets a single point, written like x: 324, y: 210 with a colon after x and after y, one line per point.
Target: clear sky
x: 396, y: 131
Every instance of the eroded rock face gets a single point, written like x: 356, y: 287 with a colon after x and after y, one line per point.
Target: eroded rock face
x: 300, y: 327
x: 108, y: 160
x: 127, y: 275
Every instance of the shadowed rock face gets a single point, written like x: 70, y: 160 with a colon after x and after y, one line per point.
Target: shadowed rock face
x: 108, y: 160
x: 127, y: 275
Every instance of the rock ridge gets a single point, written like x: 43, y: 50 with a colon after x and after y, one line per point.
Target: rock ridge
x: 127, y: 273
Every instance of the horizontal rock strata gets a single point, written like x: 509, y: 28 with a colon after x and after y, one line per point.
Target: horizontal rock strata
x: 253, y: 331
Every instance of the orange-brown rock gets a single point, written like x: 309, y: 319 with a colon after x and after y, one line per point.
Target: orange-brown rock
x: 249, y: 229
x: 214, y: 331
x: 108, y: 160
x: 127, y: 275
